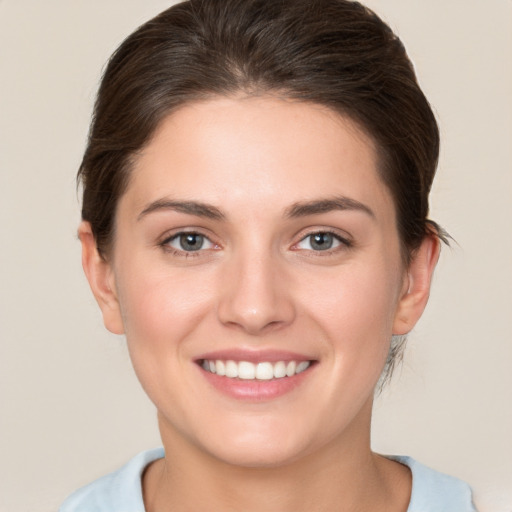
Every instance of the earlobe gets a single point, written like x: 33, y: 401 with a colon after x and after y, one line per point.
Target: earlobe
x: 100, y: 275
x: 416, y: 289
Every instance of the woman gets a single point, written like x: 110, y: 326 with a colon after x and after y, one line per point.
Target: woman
x: 255, y: 201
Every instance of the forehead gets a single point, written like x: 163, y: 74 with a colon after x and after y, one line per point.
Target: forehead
x: 256, y: 151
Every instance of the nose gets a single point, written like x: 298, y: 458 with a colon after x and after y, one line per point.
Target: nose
x: 256, y: 295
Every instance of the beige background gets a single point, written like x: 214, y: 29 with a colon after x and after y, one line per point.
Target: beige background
x: 70, y: 407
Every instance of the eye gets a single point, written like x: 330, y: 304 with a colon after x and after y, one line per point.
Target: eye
x: 321, y: 241
x: 188, y: 242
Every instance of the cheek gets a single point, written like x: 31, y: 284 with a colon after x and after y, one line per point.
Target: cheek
x: 161, y: 312
x: 356, y: 308
x: 161, y: 307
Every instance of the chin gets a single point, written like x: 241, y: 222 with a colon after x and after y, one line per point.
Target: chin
x: 268, y: 455
x: 262, y: 446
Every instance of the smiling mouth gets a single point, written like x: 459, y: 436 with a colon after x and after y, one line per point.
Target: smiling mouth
x: 245, y: 370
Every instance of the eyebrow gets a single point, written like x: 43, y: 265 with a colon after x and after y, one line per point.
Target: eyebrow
x: 189, y: 207
x: 342, y: 203
x: 300, y: 209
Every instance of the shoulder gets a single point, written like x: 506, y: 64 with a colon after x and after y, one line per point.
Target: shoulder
x: 436, y: 492
x: 120, y: 491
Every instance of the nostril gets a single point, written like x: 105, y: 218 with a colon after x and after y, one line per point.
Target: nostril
x: 255, y: 326
x: 256, y: 298
x: 265, y: 317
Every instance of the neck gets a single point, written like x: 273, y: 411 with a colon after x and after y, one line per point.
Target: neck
x: 343, y: 475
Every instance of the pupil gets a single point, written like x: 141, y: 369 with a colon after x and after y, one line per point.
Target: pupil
x: 191, y: 242
x: 321, y: 241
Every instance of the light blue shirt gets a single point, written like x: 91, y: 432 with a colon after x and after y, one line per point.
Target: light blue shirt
x: 121, y: 491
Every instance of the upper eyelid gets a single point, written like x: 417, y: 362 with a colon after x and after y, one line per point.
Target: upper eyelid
x: 341, y: 240
x: 342, y: 235
x: 174, y: 233
x: 165, y: 244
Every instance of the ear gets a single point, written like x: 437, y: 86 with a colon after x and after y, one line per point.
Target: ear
x: 416, y: 288
x: 100, y: 275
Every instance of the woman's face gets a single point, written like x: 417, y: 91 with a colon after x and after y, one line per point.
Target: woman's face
x: 256, y: 239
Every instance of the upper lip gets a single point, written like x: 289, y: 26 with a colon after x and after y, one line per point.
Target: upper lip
x: 253, y: 356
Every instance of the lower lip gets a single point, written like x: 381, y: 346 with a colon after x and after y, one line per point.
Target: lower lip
x: 256, y: 390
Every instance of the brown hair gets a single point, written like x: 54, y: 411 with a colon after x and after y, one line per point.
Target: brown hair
x: 336, y: 53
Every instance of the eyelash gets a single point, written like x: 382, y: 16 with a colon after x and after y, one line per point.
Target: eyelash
x: 344, y: 243
x: 164, y: 244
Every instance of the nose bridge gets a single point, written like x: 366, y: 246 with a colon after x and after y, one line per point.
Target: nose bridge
x: 255, y: 296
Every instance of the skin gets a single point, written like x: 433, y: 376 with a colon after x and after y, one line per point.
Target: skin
x: 258, y: 283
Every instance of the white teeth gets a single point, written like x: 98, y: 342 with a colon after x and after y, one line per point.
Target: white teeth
x: 246, y: 370
x: 264, y: 371
x: 231, y: 369
x: 290, y: 368
x: 220, y: 367
x: 250, y: 371
x: 279, y: 370
x: 303, y: 365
